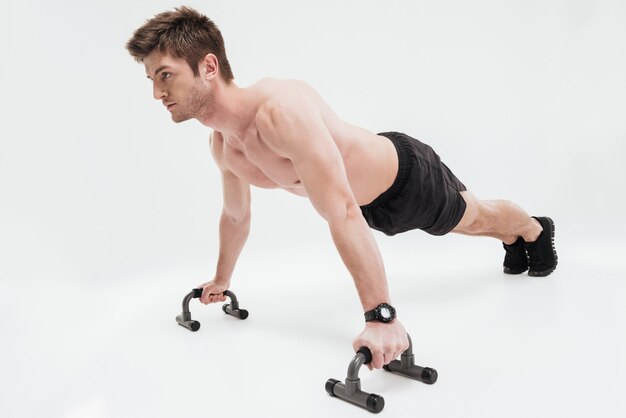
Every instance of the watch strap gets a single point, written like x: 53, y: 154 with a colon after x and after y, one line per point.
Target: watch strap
x: 370, y: 315
x: 375, y: 314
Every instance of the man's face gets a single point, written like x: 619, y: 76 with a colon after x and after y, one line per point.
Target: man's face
x: 174, y: 84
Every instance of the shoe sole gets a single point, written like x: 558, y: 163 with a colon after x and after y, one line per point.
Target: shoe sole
x: 544, y: 273
x: 509, y: 270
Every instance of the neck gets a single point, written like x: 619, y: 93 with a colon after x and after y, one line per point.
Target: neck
x: 232, y: 110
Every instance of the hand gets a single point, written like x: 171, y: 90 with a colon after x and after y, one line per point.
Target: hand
x: 385, y: 341
x: 212, y: 292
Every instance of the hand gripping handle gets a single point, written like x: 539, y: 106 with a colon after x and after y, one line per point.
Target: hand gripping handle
x: 350, y: 390
x: 406, y: 367
x: 232, y: 309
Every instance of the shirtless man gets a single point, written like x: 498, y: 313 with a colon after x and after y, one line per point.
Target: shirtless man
x: 282, y: 134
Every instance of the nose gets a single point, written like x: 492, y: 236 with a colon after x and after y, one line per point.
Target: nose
x: 157, y: 92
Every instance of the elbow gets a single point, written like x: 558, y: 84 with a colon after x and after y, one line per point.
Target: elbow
x: 343, y: 214
x: 239, y: 219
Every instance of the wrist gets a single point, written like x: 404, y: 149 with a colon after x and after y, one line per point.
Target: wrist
x: 377, y: 324
x: 222, y: 281
x: 383, y: 313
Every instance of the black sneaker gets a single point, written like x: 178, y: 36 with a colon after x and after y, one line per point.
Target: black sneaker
x: 515, y: 259
x: 541, y: 253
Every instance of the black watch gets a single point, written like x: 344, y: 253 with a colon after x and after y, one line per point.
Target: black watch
x: 382, y: 313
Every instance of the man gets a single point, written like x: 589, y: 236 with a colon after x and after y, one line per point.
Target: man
x: 281, y: 134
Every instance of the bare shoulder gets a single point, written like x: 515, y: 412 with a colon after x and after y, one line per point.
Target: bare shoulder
x: 297, y: 97
x: 286, y: 90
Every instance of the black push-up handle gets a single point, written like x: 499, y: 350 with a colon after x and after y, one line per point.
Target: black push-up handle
x: 350, y: 390
x: 406, y: 366
x: 231, y: 308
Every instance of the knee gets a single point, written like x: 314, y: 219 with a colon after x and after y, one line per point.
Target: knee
x: 487, y: 216
x: 479, y: 216
x: 498, y: 218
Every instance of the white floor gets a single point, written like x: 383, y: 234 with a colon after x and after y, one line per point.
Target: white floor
x: 503, y: 346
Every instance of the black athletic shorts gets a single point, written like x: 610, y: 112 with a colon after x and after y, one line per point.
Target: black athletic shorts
x: 425, y: 194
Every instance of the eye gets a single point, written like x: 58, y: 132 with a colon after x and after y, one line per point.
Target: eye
x: 165, y: 75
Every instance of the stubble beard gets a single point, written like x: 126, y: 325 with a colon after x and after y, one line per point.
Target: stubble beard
x: 196, y: 105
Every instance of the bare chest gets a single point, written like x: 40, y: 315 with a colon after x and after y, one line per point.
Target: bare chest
x: 254, y: 162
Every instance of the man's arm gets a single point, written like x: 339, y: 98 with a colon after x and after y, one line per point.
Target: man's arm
x: 294, y: 129
x: 234, y: 229
x: 234, y: 224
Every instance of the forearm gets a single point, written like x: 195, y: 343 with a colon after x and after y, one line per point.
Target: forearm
x: 233, y: 236
x: 359, y: 252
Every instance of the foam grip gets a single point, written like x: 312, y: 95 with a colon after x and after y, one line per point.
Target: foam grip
x: 243, y: 314
x: 367, y: 353
x: 198, y: 292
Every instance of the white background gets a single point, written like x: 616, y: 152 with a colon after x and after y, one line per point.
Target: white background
x: 109, y: 214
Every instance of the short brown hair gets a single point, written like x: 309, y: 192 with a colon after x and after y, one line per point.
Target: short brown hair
x: 183, y: 33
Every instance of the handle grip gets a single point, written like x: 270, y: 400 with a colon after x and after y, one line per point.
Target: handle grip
x: 367, y: 353
x: 198, y: 292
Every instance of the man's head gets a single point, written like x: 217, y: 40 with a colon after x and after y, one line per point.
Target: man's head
x: 182, y: 51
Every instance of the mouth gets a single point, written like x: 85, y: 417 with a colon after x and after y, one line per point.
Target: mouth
x: 169, y: 107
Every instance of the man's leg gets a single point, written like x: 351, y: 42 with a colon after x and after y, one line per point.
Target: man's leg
x: 528, y: 241
x: 501, y: 219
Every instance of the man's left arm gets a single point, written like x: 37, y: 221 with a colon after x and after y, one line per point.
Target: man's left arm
x: 295, y: 130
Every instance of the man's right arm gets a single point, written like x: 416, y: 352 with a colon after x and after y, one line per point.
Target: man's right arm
x: 234, y: 229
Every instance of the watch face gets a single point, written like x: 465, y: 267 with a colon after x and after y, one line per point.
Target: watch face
x: 386, y: 313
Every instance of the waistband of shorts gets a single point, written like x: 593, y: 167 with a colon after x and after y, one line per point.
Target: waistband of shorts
x: 401, y: 142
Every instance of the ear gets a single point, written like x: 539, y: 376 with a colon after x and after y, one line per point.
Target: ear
x: 209, y: 67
